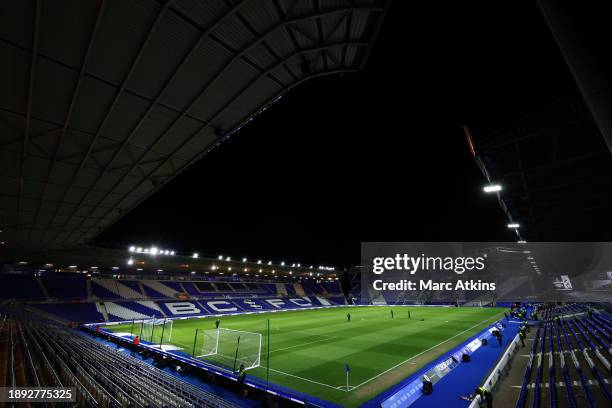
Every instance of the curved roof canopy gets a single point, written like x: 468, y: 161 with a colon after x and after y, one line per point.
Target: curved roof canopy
x: 104, y: 101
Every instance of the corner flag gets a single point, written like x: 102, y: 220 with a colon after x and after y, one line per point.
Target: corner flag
x: 346, y: 370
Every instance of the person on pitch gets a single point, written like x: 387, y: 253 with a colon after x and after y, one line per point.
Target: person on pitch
x: 348, y: 317
x: 217, y: 323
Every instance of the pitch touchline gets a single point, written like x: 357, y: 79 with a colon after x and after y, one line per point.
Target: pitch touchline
x: 424, y: 351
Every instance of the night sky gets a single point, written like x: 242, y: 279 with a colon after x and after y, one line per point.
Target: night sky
x: 374, y: 156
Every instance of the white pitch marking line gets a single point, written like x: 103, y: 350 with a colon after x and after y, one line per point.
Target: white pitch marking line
x: 302, y: 345
x: 425, y: 351
x: 305, y: 379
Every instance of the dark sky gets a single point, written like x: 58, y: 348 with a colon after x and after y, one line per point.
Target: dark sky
x: 378, y: 155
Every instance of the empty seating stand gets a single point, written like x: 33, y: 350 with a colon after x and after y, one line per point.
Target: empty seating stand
x: 101, y: 374
x: 569, y: 364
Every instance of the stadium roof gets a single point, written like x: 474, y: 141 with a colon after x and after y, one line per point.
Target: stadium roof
x: 105, y: 101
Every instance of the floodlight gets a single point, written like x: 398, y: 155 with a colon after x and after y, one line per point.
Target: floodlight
x: 492, y: 188
x: 521, y: 242
x: 244, y: 259
x: 513, y: 225
x: 172, y: 252
x: 220, y: 257
x: 259, y: 262
x: 282, y: 264
x: 269, y: 262
x: 130, y: 261
x: 132, y: 249
x: 153, y: 251
x: 228, y: 259
x: 195, y: 255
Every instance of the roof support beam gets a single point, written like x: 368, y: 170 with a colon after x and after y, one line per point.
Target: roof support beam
x: 112, y: 106
x: 75, y: 94
x: 28, y: 118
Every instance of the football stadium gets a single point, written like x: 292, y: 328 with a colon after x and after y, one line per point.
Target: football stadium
x: 234, y: 203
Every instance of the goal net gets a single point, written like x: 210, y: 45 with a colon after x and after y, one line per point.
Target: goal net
x: 231, y: 348
x: 156, y: 330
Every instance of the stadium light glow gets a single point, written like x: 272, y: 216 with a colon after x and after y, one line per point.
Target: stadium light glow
x: 513, y: 225
x: 259, y: 262
x: 153, y: 251
x: 492, y: 188
x: 172, y: 252
x: 195, y: 255
x: 269, y: 262
x: 228, y: 259
x: 220, y: 257
x: 282, y: 263
x: 244, y: 259
x: 521, y: 242
x: 132, y: 249
x: 130, y: 261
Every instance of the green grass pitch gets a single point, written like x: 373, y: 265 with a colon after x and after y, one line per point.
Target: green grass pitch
x: 309, y: 348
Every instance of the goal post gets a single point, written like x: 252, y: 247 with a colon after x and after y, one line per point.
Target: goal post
x: 231, y: 348
x: 156, y: 330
